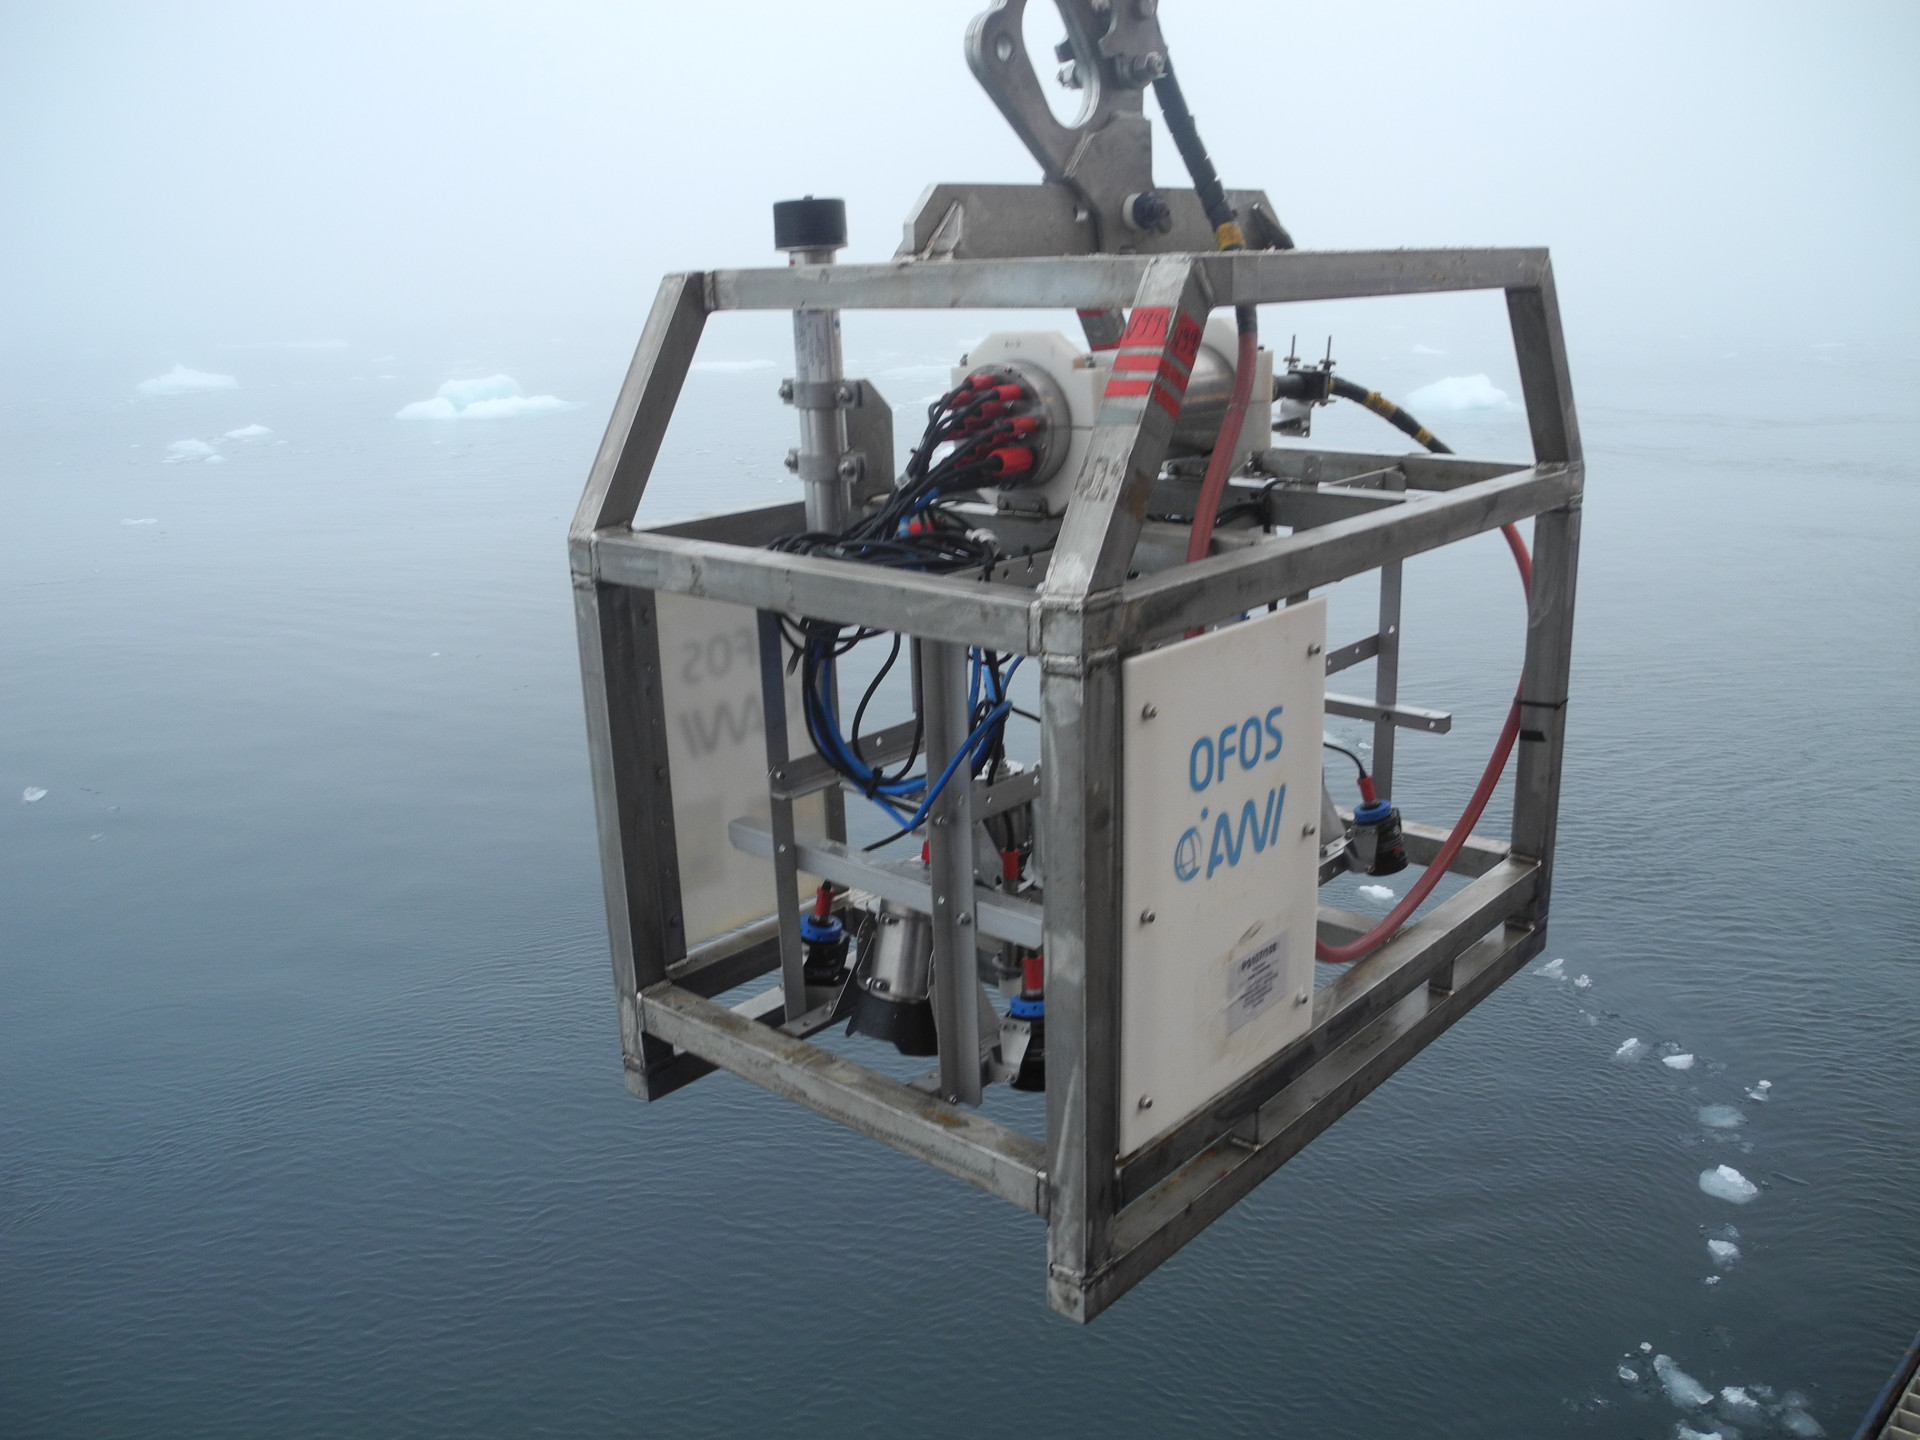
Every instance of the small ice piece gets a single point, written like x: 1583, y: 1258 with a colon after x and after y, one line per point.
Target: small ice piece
x: 1711, y: 1280
x: 33, y: 794
x: 147, y: 520
x: 1682, y: 1061
x: 1682, y: 1389
x: 1582, y: 982
x: 1723, y: 1182
x: 1736, y: 1399
x: 1589, y: 1017
x: 1461, y: 392
x: 496, y: 397
x: 182, y: 381
x: 1646, y: 1348
x: 1759, y: 1091
x: 248, y: 432
x: 183, y: 450
x: 1376, y: 892
x: 215, y: 460
x: 1724, y: 1252
x: 1799, y: 1422
x: 1628, y: 1374
x: 1632, y: 1048
x: 1684, y: 1431
x: 1722, y: 1117
x: 1555, y: 969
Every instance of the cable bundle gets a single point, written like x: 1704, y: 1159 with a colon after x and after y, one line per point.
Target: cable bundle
x: 987, y: 439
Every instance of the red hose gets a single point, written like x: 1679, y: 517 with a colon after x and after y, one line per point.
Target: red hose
x: 1483, y: 792
x: 1200, y: 541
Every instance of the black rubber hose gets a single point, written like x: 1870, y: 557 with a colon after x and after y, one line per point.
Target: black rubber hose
x: 1387, y: 411
x: 1186, y: 139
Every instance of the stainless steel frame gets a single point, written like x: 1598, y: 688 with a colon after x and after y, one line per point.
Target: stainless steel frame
x: 1110, y: 1218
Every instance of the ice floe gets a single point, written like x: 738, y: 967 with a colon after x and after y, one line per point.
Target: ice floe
x: 1632, y: 1048
x: 738, y: 367
x: 143, y: 520
x: 182, y: 381
x: 1682, y: 1061
x: 1796, y: 1421
x: 33, y: 794
x: 1582, y: 982
x: 1555, y: 969
x: 1723, y: 1182
x: 181, y: 451
x: 1722, y: 1117
x: 1460, y: 392
x: 248, y: 432
x: 1376, y: 892
x: 1759, y: 1091
x: 1682, y: 1389
x: 496, y: 397
x: 1724, y: 1252
x: 1427, y: 350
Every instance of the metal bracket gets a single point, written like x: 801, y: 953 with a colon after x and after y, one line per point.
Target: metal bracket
x: 821, y: 394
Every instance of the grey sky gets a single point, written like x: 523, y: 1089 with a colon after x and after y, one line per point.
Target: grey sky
x: 182, y: 173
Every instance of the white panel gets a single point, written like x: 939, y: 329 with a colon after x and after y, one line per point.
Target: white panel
x: 716, y: 751
x: 1222, y: 736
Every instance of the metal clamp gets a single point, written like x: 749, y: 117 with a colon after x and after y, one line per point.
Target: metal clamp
x: 821, y: 394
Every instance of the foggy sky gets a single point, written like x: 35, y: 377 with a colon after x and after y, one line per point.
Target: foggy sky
x: 187, y: 173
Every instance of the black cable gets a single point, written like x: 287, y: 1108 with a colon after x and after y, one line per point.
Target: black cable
x: 1193, y: 154
x: 1388, y: 411
x: 1358, y: 763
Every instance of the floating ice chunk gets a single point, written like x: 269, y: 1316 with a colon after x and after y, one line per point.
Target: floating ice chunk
x: 496, y: 397
x: 1722, y: 1117
x: 1682, y: 1061
x: 145, y: 520
x: 181, y: 450
x: 1724, y: 1252
x: 1684, y: 1431
x: 248, y: 432
x: 1461, y: 392
x: 1711, y: 1280
x: 1723, y: 1182
x: 1589, y: 1017
x: 1582, y: 982
x: 1736, y: 1398
x: 215, y: 460
x: 1628, y: 1374
x: 1799, y: 1422
x: 735, y: 367
x: 33, y: 794
x: 1632, y: 1048
x: 1685, y: 1391
x: 182, y: 381
x: 1376, y: 892
x: 1759, y: 1090
x: 1555, y: 969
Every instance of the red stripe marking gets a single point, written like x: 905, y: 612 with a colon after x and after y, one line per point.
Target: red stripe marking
x: 1186, y: 340
x: 1117, y: 386
x: 1167, y: 400
x: 1148, y: 326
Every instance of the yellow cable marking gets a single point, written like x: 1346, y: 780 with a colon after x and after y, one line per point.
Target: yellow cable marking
x: 1228, y: 237
x: 1423, y: 435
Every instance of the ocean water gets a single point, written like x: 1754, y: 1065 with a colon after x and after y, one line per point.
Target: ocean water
x: 311, y: 1116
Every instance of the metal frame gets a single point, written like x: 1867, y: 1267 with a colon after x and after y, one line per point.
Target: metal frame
x: 1110, y: 1218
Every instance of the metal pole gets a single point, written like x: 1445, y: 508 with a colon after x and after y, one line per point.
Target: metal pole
x: 1386, y: 665
x: 810, y: 231
x: 786, y: 856
x: 956, y: 1008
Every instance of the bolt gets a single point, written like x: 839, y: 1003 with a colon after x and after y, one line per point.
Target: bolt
x: 1307, y: 830
x: 1147, y: 917
x: 1150, y: 66
x: 1302, y: 997
x: 786, y: 390
x: 1146, y: 1102
x: 793, y: 460
x: 1313, y: 649
x: 964, y: 920
x: 852, y: 466
x: 1147, y: 712
x: 844, y: 395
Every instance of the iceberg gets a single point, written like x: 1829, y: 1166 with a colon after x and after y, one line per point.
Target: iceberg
x: 496, y: 397
x: 1685, y: 1391
x: 182, y: 381
x: 1458, y: 393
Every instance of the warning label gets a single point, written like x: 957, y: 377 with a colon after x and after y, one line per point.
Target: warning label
x: 1254, y: 981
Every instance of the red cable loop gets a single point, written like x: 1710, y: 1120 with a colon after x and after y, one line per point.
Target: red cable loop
x: 1483, y: 792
